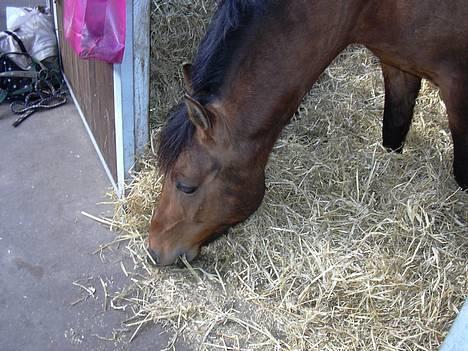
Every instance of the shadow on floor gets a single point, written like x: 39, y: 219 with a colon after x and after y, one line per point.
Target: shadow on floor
x: 49, y: 173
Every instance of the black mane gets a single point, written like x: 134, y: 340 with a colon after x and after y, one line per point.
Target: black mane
x: 213, y: 59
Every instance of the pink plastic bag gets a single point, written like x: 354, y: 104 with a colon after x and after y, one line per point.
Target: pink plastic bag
x: 95, y: 29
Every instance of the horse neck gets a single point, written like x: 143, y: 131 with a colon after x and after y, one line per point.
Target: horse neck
x: 278, y: 65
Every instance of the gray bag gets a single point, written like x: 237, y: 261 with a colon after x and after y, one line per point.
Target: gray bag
x: 36, y: 30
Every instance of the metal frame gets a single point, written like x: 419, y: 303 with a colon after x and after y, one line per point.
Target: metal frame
x: 131, y: 91
x: 457, y: 338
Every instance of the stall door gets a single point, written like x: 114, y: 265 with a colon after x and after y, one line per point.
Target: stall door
x: 92, y: 85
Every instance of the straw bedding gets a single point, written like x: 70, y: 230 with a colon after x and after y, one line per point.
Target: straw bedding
x: 353, y: 248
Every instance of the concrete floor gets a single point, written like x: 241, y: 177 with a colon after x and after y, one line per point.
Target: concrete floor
x: 49, y: 173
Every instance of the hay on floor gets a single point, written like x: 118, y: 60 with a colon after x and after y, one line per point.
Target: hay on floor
x: 353, y: 248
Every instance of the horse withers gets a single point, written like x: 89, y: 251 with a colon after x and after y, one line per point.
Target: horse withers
x: 253, y: 67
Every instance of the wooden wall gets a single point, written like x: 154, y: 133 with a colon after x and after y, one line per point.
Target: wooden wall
x: 92, y: 83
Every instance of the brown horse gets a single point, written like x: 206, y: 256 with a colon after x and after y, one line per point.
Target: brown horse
x: 255, y: 64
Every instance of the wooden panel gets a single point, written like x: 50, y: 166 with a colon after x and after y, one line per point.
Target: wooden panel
x: 93, y: 85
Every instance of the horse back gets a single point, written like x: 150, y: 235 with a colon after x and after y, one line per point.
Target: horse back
x: 428, y: 38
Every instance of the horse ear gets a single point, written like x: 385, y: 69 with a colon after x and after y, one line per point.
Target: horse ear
x: 197, y: 113
x: 187, y: 71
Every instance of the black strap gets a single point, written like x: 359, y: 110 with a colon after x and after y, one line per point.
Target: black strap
x: 18, y: 41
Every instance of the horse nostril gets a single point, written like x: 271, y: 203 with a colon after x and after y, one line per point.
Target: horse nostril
x: 152, y: 258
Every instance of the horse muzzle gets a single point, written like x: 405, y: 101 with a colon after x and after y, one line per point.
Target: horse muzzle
x: 159, y: 259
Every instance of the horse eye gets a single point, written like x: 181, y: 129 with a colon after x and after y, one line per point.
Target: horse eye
x: 187, y: 189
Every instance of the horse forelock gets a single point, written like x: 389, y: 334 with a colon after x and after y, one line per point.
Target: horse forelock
x: 224, y: 35
x: 174, y: 138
